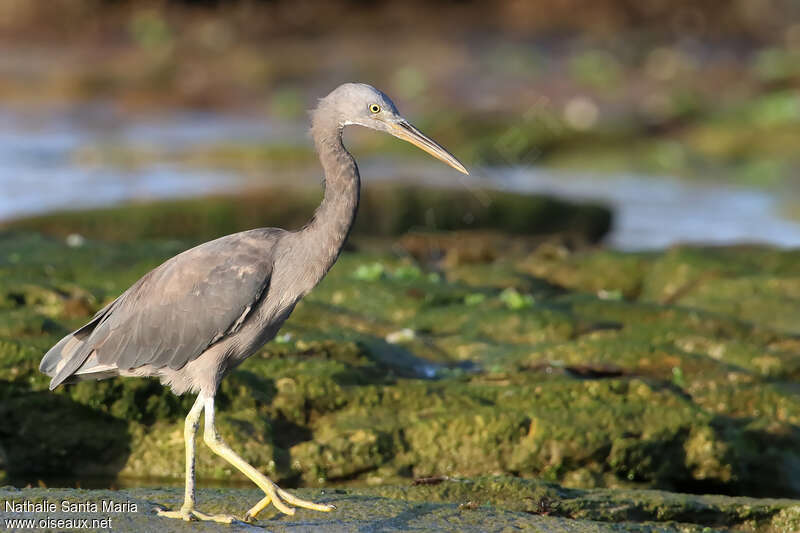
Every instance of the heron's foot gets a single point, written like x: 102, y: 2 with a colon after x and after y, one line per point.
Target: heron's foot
x: 193, y: 514
x: 280, y: 498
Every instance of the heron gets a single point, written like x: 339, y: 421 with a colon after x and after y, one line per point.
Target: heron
x: 198, y: 315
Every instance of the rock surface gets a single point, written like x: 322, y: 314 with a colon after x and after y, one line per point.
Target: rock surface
x: 457, y: 505
x: 459, y: 354
x: 386, y: 209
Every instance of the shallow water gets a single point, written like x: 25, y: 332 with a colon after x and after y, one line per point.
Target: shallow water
x: 655, y: 212
x: 39, y: 173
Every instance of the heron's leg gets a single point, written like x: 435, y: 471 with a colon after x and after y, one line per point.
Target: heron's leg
x: 189, y: 433
x: 187, y: 511
x: 273, y: 493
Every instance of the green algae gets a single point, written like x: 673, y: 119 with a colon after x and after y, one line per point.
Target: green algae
x: 590, y: 369
x: 607, y: 505
x: 754, y: 283
x: 385, y: 210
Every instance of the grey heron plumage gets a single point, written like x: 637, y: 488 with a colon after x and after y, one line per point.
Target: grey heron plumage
x: 201, y: 313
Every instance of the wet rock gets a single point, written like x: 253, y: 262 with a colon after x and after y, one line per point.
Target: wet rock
x: 385, y: 210
x: 455, y: 504
x: 590, y: 368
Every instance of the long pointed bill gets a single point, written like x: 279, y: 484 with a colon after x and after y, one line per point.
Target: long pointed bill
x: 403, y: 130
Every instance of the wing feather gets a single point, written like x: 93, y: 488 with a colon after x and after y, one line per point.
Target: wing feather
x: 176, y: 311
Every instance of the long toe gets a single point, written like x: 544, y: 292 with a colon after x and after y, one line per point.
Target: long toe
x: 194, y: 514
x: 277, y: 497
x: 299, y: 502
x: 221, y: 518
x: 182, y: 515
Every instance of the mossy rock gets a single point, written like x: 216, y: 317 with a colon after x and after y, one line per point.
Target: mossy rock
x: 539, y: 363
x: 385, y: 210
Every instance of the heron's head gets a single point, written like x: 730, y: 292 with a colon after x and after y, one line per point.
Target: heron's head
x: 364, y: 105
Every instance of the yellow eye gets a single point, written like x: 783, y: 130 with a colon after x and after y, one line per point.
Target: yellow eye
x: 375, y: 108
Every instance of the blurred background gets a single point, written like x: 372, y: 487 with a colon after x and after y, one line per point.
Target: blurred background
x: 542, y: 319
x: 682, y: 117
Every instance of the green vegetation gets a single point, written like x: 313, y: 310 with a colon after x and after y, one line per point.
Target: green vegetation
x: 386, y: 210
x: 671, y: 370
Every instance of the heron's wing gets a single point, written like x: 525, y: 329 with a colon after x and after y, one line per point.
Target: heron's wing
x: 176, y: 311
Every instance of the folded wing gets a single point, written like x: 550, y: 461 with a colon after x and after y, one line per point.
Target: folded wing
x: 173, y: 313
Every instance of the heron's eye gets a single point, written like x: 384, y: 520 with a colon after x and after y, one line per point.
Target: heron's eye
x: 375, y: 108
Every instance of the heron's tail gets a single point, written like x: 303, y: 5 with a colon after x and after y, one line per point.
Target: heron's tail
x: 58, y: 354
x: 65, y: 359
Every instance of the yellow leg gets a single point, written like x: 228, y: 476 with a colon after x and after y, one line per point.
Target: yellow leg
x: 187, y: 511
x: 274, y: 494
x: 194, y: 514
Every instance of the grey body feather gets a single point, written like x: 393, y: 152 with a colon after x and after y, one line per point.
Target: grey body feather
x: 199, y: 314
x: 176, y: 311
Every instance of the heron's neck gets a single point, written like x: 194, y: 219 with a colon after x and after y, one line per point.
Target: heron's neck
x: 328, y: 229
